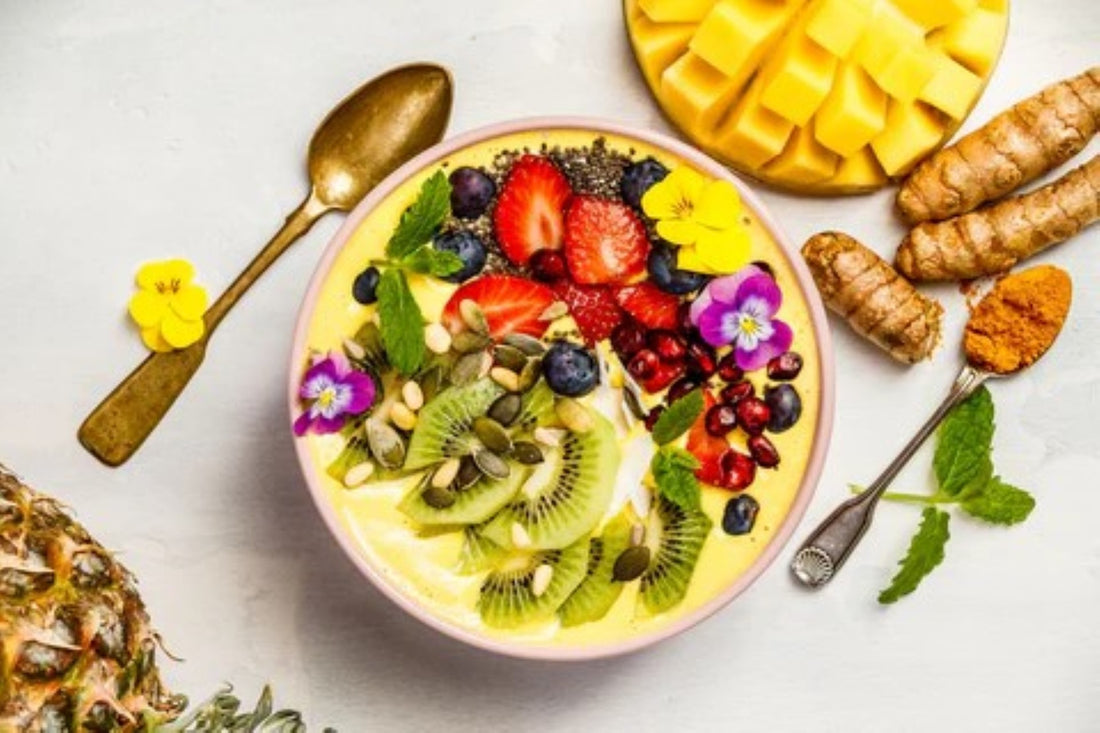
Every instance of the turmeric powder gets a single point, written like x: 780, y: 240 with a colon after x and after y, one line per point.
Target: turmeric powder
x: 1018, y: 320
x: 993, y: 239
x: 1015, y: 147
x: 878, y: 303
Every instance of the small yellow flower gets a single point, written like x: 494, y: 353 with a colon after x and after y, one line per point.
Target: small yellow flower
x: 168, y: 307
x: 703, y: 218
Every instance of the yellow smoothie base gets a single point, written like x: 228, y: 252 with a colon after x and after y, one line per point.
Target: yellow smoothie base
x: 420, y: 564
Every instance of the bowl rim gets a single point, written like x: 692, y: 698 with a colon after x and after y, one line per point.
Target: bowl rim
x: 822, y: 431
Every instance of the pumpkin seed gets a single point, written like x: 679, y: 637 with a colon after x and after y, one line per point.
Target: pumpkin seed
x: 473, y: 316
x: 468, y: 473
x: 520, y: 539
x: 492, y: 434
x: 530, y: 374
x: 491, y: 464
x: 505, y: 378
x: 438, y: 498
x: 437, y: 338
x: 467, y: 369
x: 574, y: 415
x: 631, y: 564
x: 527, y: 453
x: 540, y: 581
x: 554, y: 311
x: 506, y: 409
x: 529, y: 345
x: 431, y: 383
x: 467, y: 342
x: 385, y: 443
x: 510, y: 357
x: 445, y: 475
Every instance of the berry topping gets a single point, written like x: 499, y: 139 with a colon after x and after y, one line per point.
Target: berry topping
x: 681, y: 388
x: 663, y: 272
x: 593, y: 308
x: 668, y: 345
x: 785, y: 405
x: 605, y: 241
x: 683, y: 321
x: 651, y: 307
x: 785, y: 366
x: 720, y: 419
x: 753, y: 415
x: 734, y: 393
x: 763, y: 451
x: 728, y: 371
x: 469, y: 249
x: 706, y: 448
x: 740, y: 515
x: 702, y: 362
x: 511, y: 305
x: 738, y: 470
x: 365, y: 287
x: 653, y: 416
x: 471, y: 192
x: 627, y: 339
x: 529, y: 215
x: 639, y: 178
x: 570, y: 370
x: 666, y: 374
x: 548, y: 266
x: 644, y: 364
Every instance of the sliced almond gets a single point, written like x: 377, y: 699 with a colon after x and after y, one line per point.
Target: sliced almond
x: 473, y: 316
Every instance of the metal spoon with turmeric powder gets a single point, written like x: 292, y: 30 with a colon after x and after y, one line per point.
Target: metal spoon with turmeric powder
x: 1009, y: 330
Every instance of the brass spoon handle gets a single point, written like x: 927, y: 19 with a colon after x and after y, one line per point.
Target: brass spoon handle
x: 118, y: 426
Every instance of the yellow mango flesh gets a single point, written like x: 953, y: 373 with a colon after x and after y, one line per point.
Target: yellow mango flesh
x: 755, y: 132
x: 836, y: 25
x: 804, y: 160
x: 659, y: 44
x: 932, y: 15
x: 695, y: 92
x: 953, y: 88
x: 859, y: 168
x: 801, y: 81
x: 676, y: 11
x: 912, y: 131
x: 975, y: 41
x: 853, y: 114
x: 734, y: 35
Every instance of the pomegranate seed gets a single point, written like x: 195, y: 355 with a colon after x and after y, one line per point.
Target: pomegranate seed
x: 548, y: 265
x: 720, y: 419
x: 785, y: 367
x: 734, y: 393
x: 738, y: 470
x: 763, y: 451
x: 667, y: 344
x: 728, y: 371
x: 752, y: 415
x: 651, y: 418
x: 665, y: 375
x: 643, y: 365
x: 627, y: 339
x: 681, y: 388
x: 683, y: 318
x: 701, y: 360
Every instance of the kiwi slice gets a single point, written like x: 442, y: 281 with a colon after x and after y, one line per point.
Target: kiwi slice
x: 478, y: 553
x: 538, y: 407
x: 473, y: 504
x: 682, y: 532
x: 564, y: 497
x: 443, y: 426
x: 374, y: 359
x: 508, y: 594
x: 356, y: 451
x: 595, y: 596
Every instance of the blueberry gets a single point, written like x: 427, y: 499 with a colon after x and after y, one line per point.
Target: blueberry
x: 639, y: 178
x: 469, y: 249
x: 570, y: 370
x: 365, y: 287
x: 786, y: 407
x: 471, y: 192
x: 740, y: 514
x: 665, y: 275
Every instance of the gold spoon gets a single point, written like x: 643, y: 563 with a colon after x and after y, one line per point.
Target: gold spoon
x: 370, y: 134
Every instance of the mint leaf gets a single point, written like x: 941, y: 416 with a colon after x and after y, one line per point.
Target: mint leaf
x: 674, y: 471
x: 999, y: 503
x: 427, y: 260
x: 401, y: 322
x: 965, y: 440
x: 678, y: 418
x: 925, y: 553
x: 420, y: 220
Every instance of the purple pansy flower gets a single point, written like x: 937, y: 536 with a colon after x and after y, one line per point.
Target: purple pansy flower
x: 332, y: 390
x: 739, y: 310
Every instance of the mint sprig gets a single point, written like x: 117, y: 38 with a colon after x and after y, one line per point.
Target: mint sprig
x: 428, y: 260
x: 926, y: 551
x: 674, y: 473
x: 421, y: 220
x: 999, y: 503
x: 401, y: 322
x: 678, y: 418
x: 965, y: 441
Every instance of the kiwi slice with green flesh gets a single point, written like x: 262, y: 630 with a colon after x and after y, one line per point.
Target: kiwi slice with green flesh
x: 473, y: 504
x: 565, y: 496
x: 443, y: 426
x: 478, y: 553
x: 682, y: 534
x: 538, y: 407
x: 598, y: 592
x: 374, y: 359
x: 508, y: 594
x: 356, y: 451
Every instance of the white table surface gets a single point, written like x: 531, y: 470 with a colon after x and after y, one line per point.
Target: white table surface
x: 140, y: 129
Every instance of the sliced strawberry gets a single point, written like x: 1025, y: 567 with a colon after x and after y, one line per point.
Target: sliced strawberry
x: 593, y: 307
x: 530, y: 211
x: 649, y: 305
x: 706, y: 448
x: 605, y: 241
x: 511, y: 305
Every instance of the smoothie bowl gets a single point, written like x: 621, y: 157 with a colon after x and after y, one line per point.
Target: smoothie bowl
x: 560, y: 389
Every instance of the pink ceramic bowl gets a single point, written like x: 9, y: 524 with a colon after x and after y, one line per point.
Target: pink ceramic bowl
x: 821, y: 437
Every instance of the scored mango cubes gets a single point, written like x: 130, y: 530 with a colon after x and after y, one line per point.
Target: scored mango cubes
x: 657, y: 45
x: 953, y: 88
x: 696, y: 93
x: 804, y: 160
x: 836, y: 25
x: 755, y: 132
x: 735, y: 35
x: 975, y: 41
x: 676, y: 11
x: 799, y: 80
x: 853, y: 113
x: 912, y: 131
x: 932, y: 14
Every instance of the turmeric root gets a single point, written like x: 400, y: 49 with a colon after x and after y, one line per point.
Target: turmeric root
x: 879, y: 304
x: 1015, y: 147
x: 994, y: 238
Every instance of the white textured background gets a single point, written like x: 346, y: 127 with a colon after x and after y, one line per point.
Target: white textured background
x: 139, y: 129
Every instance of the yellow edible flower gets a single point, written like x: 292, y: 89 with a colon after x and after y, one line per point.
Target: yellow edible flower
x: 702, y: 217
x: 168, y: 307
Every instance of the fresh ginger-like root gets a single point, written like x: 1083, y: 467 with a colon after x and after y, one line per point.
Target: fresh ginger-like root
x: 994, y: 238
x: 1015, y: 147
x: 877, y: 303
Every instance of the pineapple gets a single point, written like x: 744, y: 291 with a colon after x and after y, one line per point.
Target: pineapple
x: 76, y: 646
